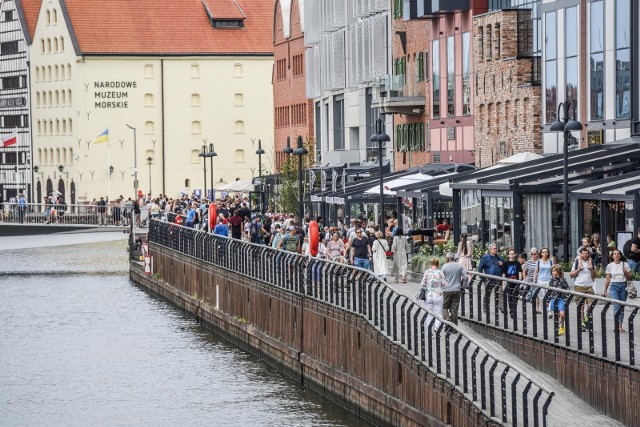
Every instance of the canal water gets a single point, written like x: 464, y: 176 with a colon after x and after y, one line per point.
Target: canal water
x: 82, y: 345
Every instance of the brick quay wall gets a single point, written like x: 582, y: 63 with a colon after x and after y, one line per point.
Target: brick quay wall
x: 338, y: 354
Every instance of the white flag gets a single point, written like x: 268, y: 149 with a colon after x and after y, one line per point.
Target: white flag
x: 323, y: 180
x: 334, y: 180
x: 312, y: 179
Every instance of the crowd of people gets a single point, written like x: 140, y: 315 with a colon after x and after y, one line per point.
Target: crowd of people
x: 364, y: 245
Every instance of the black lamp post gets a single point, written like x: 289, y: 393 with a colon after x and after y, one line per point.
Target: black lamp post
x: 380, y: 137
x: 211, y: 154
x: 566, y: 126
x: 260, y: 152
x: 300, y: 151
x: 203, y: 154
x: 149, y: 160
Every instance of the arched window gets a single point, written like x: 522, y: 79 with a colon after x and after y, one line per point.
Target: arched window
x: 239, y: 126
x: 196, y: 127
x: 45, y: 158
x: 57, y: 126
x: 69, y: 100
x: 37, y: 74
x: 149, y: 127
x: 64, y: 156
x: 56, y: 73
x: 195, y: 100
x: 57, y: 156
x: 194, y: 156
x: 239, y: 156
x: 55, y: 44
x: 69, y: 71
x: 195, y: 71
x: 37, y: 99
x: 149, y: 153
x: 57, y: 98
x: 48, y: 45
x: 42, y: 45
x: 239, y: 100
x: 64, y: 125
x: 48, y: 14
x: 148, y: 99
x: 40, y: 155
x: 50, y: 98
x: 51, y: 133
x: 70, y: 126
x: 71, y: 156
x: 148, y: 71
x: 49, y: 73
x: 61, y: 44
x: 187, y: 183
x: 64, y: 98
x: 62, y: 77
x: 51, y: 155
x: 237, y: 70
x: 55, y: 16
x: 39, y: 128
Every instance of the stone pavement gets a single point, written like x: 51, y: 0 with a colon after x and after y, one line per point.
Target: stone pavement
x: 566, y: 408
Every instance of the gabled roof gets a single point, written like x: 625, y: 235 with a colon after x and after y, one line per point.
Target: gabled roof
x: 176, y: 27
x: 30, y: 10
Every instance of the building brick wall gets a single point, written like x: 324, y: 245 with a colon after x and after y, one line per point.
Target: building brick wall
x: 507, y: 101
x: 293, y: 112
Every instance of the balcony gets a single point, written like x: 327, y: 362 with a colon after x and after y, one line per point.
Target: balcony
x: 388, y: 95
x: 428, y: 8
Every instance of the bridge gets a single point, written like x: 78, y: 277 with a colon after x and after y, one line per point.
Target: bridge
x: 504, y: 371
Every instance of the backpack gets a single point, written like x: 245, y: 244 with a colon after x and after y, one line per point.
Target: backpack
x: 291, y: 244
x: 626, y: 249
x: 253, y: 229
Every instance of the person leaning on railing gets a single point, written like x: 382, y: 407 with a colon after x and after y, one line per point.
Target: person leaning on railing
x: 490, y: 263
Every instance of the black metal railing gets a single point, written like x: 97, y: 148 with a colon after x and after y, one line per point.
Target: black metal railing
x: 596, y: 333
x: 494, y: 386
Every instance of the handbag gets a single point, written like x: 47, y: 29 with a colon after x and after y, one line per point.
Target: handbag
x: 389, y: 254
x: 632, y: 292
x: 422, y: 293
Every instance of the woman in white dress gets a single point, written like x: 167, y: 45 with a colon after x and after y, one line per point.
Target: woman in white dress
x: 379, y: 249
x: 400, y: 248
x: 465, y: 251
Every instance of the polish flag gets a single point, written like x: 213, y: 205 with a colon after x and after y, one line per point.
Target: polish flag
x: 10, y: 139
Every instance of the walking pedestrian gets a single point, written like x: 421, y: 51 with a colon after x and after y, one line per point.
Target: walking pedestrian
x: 360, y: 250
x: 542, y: 275
x: 583, y: 274
x: 433, y: 282
x: 454, y: 273
x: 400, y: 248
x: 465, y: 252
x: 490, y: 263
x: 511, y: 269
x: 379, y: 249
x: 615, y: 286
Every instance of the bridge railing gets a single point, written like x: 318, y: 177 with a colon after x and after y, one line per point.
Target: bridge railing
x: 596, y: 332
x: 45, y: 213
x: 498, y: 389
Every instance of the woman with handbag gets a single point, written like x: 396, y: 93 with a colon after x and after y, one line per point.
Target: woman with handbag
x: 433, y: 283
x: 400, y: 249
x: 379, y: 247
x: 615, y: 286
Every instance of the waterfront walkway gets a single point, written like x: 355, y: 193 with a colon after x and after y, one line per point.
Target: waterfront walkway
x: 566, y: 408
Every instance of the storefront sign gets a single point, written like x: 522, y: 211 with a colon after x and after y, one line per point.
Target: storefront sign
x: 113, y: 94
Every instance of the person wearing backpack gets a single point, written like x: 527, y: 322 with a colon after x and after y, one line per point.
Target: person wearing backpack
x: 255, y: 230
x: 631, y: 251
x: 290, y: 242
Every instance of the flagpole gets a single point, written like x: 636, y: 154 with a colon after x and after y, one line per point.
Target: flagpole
x: 108, y: 171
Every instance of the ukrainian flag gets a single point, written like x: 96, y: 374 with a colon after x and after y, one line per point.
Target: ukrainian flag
x: 103, y: 137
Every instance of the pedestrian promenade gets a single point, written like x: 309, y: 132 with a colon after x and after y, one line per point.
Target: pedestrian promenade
x: 566, y: 408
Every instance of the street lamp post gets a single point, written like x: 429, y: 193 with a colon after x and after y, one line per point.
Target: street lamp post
x: 135, y: 163
x: 149, y: 160
x: 566, y: 126
x: 203, y: 154
x: 300, y: 151
x: 211, y: 154
x: 260, y: 152
x: 380, y: 137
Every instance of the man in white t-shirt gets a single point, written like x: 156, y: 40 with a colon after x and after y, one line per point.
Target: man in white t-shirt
x: 583, y: 273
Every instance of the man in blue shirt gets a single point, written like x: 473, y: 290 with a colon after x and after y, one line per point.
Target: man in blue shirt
x: 22, y: 207
x: 221, y: 229
x: 191, y: 215
x: 490, y: 263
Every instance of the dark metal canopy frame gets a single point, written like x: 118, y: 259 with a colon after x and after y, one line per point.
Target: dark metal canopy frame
x: 544, y: 175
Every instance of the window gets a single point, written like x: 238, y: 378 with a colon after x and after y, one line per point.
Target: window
x: 498, y: 40
x: 398, y: 8
x: 11, y: 82
x: 56, y: 72
x: 281, y: 69
x: 42, y: 45
x: 70, y: 156
x: 451, y: 76
x: 195, y: 156
x: 11, y: 121
x: 8, y: 16
x: 435, y: 67
x: 571, y: 49
x: 62, y: 73
x: 9, y: 48
x: 196, y: 127
x: 338, y: 123
x: 623, y: 59
x: 489, y: 43
x: 69, y: 96
x: 239, y: 100
x: 466, y: 73
x: 61, y: 44
x: 48, y: 17
x: 481, y: 33
x: 149, y: 127
x: 551, y: 76
x: 70, y: 126
x: 596, y: 85
x: 55, y: 16
x: 239, y: 126
x: 195, y: 100
x: 195, y: 71
x: 148, y: 71
x: 69, y: 71
x: 420, y: 67
x: 239, y: 156
x: 227, y: 23
x: 55, y: 44
x: 409, y: 137
x: 237, y: 70
x: 48, y: 45
x: 148, y: 99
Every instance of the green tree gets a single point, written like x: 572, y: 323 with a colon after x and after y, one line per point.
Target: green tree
x: 288, y: 192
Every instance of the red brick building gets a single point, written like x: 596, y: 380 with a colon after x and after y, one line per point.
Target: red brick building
x: 431, y: 90
x: 507, y: 99
x: 293, y: 112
